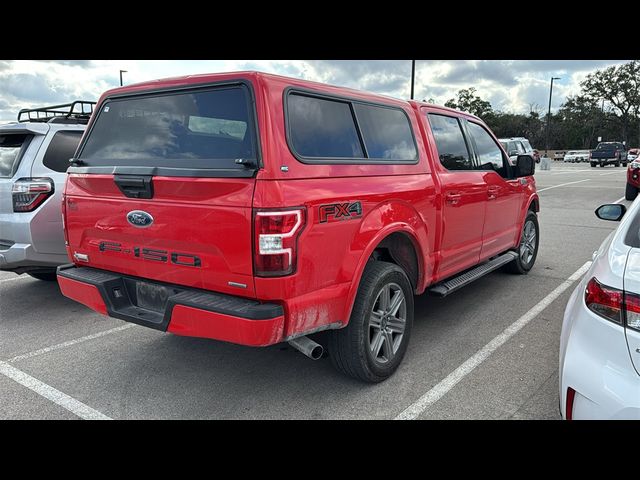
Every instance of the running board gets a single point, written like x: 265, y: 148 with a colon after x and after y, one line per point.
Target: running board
x: 452, y: 284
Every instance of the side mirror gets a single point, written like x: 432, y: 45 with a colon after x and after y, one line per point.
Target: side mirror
x: 612, y: 211
x: 524, y: 166
x: 513, y: 153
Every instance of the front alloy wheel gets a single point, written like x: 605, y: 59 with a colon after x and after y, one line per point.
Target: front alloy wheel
x: 528, y: 247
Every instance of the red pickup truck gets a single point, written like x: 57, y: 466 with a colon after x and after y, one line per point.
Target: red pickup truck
x: 258, y: 209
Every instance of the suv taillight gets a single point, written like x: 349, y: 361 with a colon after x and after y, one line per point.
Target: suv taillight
x: 29, y: 193
x: 276, y: 241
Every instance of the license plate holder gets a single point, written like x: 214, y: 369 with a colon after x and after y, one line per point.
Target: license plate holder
x: 152, y: 297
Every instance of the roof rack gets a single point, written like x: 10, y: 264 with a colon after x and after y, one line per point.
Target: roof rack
x: 78, y: 111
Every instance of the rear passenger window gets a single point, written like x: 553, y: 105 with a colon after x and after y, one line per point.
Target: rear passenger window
x: 489, y: 154
x: 323, y: 128
x: 386, y: 133
x: 452, y: 148
x: 62, y: 147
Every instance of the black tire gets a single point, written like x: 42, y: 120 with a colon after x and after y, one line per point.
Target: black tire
x: 350, y: 348
x: 617, y: 164
x: 601, y: 165
x: 45, y: 276
x: 593, y: 164
x: 630, y: 192
x: 523, y: 264
x: 624, y: 164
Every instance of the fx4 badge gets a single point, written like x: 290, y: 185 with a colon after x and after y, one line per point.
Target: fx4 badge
x: 339, y: 211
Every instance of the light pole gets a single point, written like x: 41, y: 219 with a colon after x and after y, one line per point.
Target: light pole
x: 121, y: 72
x: 413, y: 76
x: 546, y: 147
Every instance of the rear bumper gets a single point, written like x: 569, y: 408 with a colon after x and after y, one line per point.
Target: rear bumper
x: 179, y: 310
x: 595, y: 362
x: 21, y: 257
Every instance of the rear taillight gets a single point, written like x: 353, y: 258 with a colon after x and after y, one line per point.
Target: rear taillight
x: 29, y: 193
x: 604, y: 301
x: 632, y: 310
x: 64, y: 219
x: 276, y: 241
x: 571, y: 395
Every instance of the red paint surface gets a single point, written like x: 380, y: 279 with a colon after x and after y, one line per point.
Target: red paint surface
x: 83, y: 293
x: 193, y: 322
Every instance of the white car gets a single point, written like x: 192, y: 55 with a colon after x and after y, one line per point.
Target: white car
x: 600, y: 342
x: 574, y: 156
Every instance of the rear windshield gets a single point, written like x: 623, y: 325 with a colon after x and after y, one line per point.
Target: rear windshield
x: 11, y: 146
x: 204, y: 129
x: 607, y: 146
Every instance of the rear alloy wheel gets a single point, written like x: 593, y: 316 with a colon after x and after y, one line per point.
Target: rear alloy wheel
x: 373, y: 344
x: 630, y: 192
x: 528, y: 248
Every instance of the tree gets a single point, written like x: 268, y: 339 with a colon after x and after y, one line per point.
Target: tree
x: 468, y: 101
x: 620, y: 86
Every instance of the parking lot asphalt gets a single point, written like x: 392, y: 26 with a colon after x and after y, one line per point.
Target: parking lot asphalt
x: 488, y: 351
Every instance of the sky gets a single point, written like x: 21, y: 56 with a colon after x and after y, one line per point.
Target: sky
x: 510, y: 85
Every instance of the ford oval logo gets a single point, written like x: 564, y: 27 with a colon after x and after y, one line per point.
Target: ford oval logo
x: 140, y: 219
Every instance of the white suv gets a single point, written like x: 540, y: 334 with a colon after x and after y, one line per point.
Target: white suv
x: 515, y: 146
x: 34, y: 156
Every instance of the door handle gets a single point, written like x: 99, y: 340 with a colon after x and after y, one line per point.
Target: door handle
x: 452, y: 198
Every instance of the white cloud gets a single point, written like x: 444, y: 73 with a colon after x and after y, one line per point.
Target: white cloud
x: 508, y: 85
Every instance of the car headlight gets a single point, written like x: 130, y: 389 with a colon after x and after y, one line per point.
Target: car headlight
x: 634, y: 164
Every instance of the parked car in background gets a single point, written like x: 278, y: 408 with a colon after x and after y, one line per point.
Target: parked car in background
x: 633, y: 154
x: 269, y: 208
x: 515, y: 146
x: 609, y: 153
x: 559, y: 156
x: 633, y: 180
x: 34, y: 156
x: 576, y: 156
x: 600, y: 341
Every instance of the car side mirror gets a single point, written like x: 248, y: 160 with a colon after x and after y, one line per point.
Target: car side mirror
x: 612, y: 212
x: 513, y: 153
x: 524, y: 166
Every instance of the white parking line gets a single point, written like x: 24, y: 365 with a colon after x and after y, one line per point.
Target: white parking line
x: 619, y: 200
x: 68, y: 343
x: 611, y: 173
x: 563, y: 184
x: 436, y: 393
x: 47, y: 391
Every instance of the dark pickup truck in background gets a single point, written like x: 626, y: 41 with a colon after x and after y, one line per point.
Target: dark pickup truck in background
x: 608, y: 153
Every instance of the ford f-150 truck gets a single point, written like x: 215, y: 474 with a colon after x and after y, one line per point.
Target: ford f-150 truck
x: 258, y: 209
x: 609, y: 153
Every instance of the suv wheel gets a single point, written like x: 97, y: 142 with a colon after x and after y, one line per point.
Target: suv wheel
x: 593, y: 164
x: 630, y: 192
x: 601, y: 165
x: 45, y: 276
x: 528, y: 248
x: 373, y: 344
x: 617, y: 164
